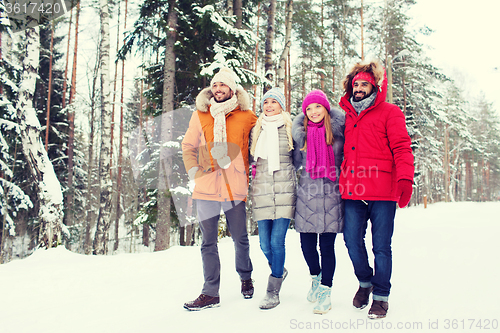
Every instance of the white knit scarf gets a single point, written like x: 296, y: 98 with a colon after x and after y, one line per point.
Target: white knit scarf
x: 268, y: 142
x: 219, y: 112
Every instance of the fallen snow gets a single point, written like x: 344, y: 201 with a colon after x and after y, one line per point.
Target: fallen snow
x: 446, y: 271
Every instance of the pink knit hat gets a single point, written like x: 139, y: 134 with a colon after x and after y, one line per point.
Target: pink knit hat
x: 315, y: 96
x: 364, y: 76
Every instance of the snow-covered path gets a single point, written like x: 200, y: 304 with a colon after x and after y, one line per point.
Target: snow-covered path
x: 445, y: 276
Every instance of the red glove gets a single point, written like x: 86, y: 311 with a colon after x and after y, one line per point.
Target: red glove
x: 404, y: 192
x: 254, y: 170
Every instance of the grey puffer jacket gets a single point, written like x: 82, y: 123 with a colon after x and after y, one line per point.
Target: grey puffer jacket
x: 274, y: 196
x: 320, y: 207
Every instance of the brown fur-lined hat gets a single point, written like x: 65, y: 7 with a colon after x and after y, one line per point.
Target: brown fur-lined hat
x: 373, y: 66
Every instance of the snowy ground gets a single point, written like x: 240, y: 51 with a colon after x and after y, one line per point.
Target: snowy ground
x: 445, y: 277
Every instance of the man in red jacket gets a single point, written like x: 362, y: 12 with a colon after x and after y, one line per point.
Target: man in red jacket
x: 377, y: 173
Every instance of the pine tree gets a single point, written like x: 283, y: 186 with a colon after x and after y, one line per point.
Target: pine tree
x: 13, y: 198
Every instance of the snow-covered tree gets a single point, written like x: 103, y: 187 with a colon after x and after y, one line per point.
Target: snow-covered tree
x: 104, y: 217
x: 49, y: 190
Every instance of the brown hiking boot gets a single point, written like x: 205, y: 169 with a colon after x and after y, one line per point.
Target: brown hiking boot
x: 360, y: 300
x: 247, y: 288
x: 202, y: 302
x: 378, y: 310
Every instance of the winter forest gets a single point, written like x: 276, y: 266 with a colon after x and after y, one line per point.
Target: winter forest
x: 94, y: 105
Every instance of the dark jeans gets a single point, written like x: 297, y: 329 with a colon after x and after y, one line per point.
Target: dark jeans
x: 272, y: 235
x: 309, y: 244
x: 381, y: 214
x: 208, y: 215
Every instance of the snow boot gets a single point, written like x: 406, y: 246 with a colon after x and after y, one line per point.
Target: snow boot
x: 378, y: 310
x: 360, y: 300
x: 202, y: 302
x: 324, y: 300
x: 247, y: 288
x: 312, y: 295
x: 285, y: 271
x: 272, y: 299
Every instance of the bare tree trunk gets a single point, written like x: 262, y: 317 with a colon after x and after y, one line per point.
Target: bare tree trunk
x: 238, y: 11
x: 145, y: 226
x: 71, y: 125
x: 322, y: 50
x: 468, y: 177
x: 88, y: 202
x: 389, y: 79
x: 113, y: 102
x: 145, y: 234
x: 103, y: 220
x: 256, y: 60
x: 404, y: 95
x: 48, y: 187
x: 120, y: 146
x: 163, y: 223
x: 288, y: 43
x: 47, y: 123
x: 268, y: 57
x: 362, y: 33
x: 446, y: 164
x: 65, y: 82
x: 289, y: 103
x: 303, y: 79
x: 333, y: 67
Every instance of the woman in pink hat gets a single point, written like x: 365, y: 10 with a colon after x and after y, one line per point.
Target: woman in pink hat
x: 318, y: 135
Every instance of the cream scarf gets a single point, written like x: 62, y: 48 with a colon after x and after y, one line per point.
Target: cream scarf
x: 268, y: 142
x: 219, y: 112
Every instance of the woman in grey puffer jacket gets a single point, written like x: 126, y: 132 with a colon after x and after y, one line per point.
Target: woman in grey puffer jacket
x: 318, y: 136
x: 273, y: 186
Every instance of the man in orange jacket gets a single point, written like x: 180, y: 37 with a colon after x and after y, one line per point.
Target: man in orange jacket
x: 215, y: 154
x: 377, y: 173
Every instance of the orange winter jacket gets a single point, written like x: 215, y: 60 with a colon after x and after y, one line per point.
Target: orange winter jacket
x: 211, y: 181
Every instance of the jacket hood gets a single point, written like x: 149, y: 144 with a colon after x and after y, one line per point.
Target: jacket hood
x: 337, y: 121
x: 203, y: 99
x: 378, y: 71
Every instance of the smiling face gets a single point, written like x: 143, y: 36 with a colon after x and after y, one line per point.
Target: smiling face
x: 361, y: 89
x: 221, y: 92
x: 271, y: 107
x: 316, y: 112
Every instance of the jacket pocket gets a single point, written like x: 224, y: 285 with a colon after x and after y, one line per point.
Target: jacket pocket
x: 236, y: 177
x: 205, y: 182
x: 375, y: 177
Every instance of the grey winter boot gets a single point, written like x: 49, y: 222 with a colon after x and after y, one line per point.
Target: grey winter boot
x: 285, y: 271
x: 272, y: 299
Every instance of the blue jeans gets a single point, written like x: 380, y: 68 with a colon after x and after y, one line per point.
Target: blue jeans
x: 272, y: 235
x: 309, y: 245
x: 381, y: 214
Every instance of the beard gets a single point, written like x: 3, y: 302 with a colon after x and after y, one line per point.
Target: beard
x: 223, y: 98
x: 360, y: 97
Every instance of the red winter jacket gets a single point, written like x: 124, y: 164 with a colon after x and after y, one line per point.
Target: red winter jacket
x: 377, y: 151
